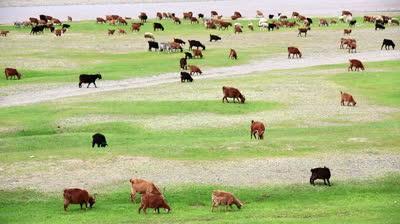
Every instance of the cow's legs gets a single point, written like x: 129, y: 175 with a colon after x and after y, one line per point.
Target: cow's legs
x: 93, y: 143
x: 324, y: 181
x: 88, y: 85
x: 66, y: 203
x: 329, y: 183
x: 94, y: 84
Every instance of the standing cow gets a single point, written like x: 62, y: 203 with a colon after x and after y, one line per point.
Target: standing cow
x: 320, y: 173
x: 84, y: 78
x: 99, y: 140
x: 12, y: 72
x: 258, y: 128
x: 78, y: 196
x: 230, y: 92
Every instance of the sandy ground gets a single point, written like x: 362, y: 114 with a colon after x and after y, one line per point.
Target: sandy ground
x: 57, y: 175
x: 20, y: 95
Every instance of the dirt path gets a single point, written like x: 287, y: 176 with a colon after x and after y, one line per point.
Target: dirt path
x: 56, y: 175
x: 19, y: 95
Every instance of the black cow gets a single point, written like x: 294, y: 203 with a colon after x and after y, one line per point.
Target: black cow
x: 200, y: 15
x: 99, y: 140
x: 188, y: 55
x: 379, y: 26
x: 309, y: 21
x: 186, y: 77
x: 270, y: 16
x: 85, y: 78
x: 153, y: 44
x: 195, y: 43
x: 352, y: 23
x: 179, y: 41
x: 65, y: 26
x: 320, y: 173
x: 183, y: 63
x: 158, y: 26
x: 143, y: 17
x: 37, y: 29
x: 214, y: 37
x: 272, y: 26
x: 388, y: 43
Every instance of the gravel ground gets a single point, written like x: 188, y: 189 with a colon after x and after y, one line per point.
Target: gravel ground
x: 53, y: 176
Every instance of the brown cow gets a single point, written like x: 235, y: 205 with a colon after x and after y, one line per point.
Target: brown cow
x: 197, y: 53
x: 224, y: 198
x: 58, y: 32
x: 258, y: 128
x: 4, y: 33
x: 346, y: 41
x: 159, y: 15
x: 78, y: 196
x: 136, y: 26
x: 176, y: 20
x: 194, y: 20
x: 346, y: 31
x: 194, y: 70
x: 355, y: 63
x: 183, y: 63
x: 323, y: 22
x: 224, y: 25
x: 12, y: 72
x: 155, y: 201
x: 122, y: 21
x: 230, y: 92
x: 34, y: 20
x: 56, y: 21
x: 295, y: 14
x: 346, y: 13
x: 69, y: 19
x: 110, y: 32
x: 175, y: 46
x: 121, y: 31
x: 352, y: 47
x: 345, y: 97
x: 142, y: 186
x: 100, y: 20
x: 232, y: 54
x: 303, y: 30
x: 294, y: 51
x: 187, y: 15
x: 238, y: 29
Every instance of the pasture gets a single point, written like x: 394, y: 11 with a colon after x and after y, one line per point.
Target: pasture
x: 181, y: 135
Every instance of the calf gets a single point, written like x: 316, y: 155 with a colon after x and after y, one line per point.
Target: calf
x: 224, y: 198
x: 230, y: 92
x: 197, y: 44
x: 345, y: 97
x: 183, y: 63
x: 388, y: 43
x: 78, y: 196
x: 194, y: 70
x: 347, y: 31
x: 258, y: 128
x: 214, y: 38
x: 355, y: 63
x: 155, y: 201
x: 320, y: 173
x: 379, y: 26
x: 4, y: 32
x: 121, y: 31
x: 85, y: 78
x: 197, y: 53
x: 186, y: 77
x: 294, y: 51
x: 99, y: 140
x: 232, y: 54
x: 158, y: 26
x: 153, y: 44
x: 303, y: 30
x: 142, y: 186
x: 12, y: 72
x: 188, y: 55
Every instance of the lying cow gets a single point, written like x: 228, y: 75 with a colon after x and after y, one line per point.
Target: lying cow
x: 345, y: 97
x: 320, y: 173
x: 78, y: 196
x: 85, y: 78
x: 99, y: 140
x: 258, y: 128
x: 12, y: 72
x: 230, y: 92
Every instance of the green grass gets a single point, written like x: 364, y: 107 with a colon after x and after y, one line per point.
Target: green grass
x: 374, y: 201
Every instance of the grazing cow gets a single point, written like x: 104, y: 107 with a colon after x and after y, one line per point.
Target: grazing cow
x: 197, y: 53
x: 122, y: 21
x: 188, y: 55
x: 224, y: 25
x: 258, y: 128
x: 136, y: 26
x: 85, y: 78
x: 183, y: 63
x: 143, y: 17
x: 224, y: 198
x: 346, y: 41
x: 179, y: 41
x: 4, y: 33
x: 37, y: 29
x: 237, y: 14
x: 58, y: 32
x: 158, y: 26
x: 346, y: 13
x: 320, y: 173
x: 272, y: 26
x: 346, y: 31
x: 175, y: 46
x: 379, y: 26
x: 56, y: 21
x: 345, y: 97
x: 194, y: 20
x: 214, y: 37
x: 78, y: 196
x: 186, y: 77
x: 159, y: 15
x: 232, y: 54
x: 193, y: 69
x: 238, y: 29
x: 69, y: 18
x: 121, y: 31
x: 195, y: 43
x: 303, y: 30
x: 154, y: 201
x: 357, y: 64
x: 12, y: 72
x: 34, y: 20
x: 110, y: 32
x: 153, y: 44
x: 323, y: 22
x: 294, y: 51
x: 142, y: 186
x: 230, y: 92
x: 100, y: 20
x: 309, y: 21
x: 352, y: 23
x: 65, y: 26
x: 388, y: 43
x: 99, y: 140
x: 352, y: 47
x: 250, y: 26
x: 176, y: 20
x: 187, y: 15
x: 149, y: 35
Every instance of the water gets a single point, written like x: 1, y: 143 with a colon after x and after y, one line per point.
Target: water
x: 226, y: 8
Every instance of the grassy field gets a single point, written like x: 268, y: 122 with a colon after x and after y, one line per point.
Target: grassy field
x: 374, y: 201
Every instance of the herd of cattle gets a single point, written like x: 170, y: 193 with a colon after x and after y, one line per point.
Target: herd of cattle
x: 151, y: 195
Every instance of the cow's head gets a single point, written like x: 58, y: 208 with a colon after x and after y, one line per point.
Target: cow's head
x: 98, y: 76
x: 242, y: 98
x: 92, y: 200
